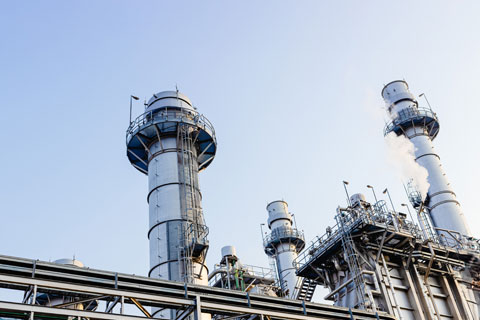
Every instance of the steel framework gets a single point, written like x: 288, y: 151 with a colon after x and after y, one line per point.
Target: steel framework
x: 34, y: 277
x: 376, y: 255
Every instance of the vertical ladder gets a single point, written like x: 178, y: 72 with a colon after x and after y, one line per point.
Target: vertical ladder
x: 351, y: 259
x: 185, y: 254
x: 273, y: 267
x: 193, y: 235
x: 425, y: 221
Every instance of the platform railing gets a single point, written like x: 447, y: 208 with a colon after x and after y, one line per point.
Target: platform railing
x: 253, y: 271
x: 380, y: 215
x: 352, y: 218
x: 407, y: 114
x: 176, y: 114
x: 283, y: 233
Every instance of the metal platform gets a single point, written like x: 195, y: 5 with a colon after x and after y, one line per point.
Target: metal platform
x: 406, y: 239
x: 412, y: 117
x: 36, y: 277
x: 375, y: 259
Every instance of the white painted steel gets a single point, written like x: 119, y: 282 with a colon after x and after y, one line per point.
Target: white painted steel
x: 280, y: 222
x: 445, y: 210
x: 71, y: 262
x: 229, y: 251
x: 397, y: 97
x: 167, y: 99
x: 278, y: 215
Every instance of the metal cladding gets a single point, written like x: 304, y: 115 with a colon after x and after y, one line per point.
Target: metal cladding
x: 283, y: 244
x: 171, y: 142
x: 421, y: 126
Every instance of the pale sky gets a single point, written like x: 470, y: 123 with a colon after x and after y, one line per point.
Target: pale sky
x: 292, y: 88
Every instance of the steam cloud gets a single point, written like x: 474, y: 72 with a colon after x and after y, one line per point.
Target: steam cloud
x: 401, y: 154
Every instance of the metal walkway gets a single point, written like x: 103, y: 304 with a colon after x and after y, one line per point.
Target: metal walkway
x: 85, y: 284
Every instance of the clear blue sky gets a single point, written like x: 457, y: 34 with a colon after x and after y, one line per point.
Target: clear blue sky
x: 292, y: 88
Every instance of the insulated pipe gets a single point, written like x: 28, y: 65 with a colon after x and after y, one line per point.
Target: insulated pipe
x: 284, y: 243
x: 421, y: 126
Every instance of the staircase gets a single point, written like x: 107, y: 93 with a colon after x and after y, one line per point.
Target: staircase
x: 306, y: 289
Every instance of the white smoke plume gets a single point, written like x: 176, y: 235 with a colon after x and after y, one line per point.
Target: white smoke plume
x: 401, y: 154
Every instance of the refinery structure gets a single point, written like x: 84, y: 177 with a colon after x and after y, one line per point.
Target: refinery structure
x: 377, y: 262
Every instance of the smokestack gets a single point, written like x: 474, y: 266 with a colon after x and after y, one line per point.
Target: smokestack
x: 283, y: 244
x: 421, y: 126
x: 171, y: 142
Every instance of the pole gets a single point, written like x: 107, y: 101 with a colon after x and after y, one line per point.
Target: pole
x: 395, y: 224
x: 131, y: 97
x: 348, y: 197
x: 391, y: 202
x: 409, y: 212
x: 425, y: 96
x: 373, y: 190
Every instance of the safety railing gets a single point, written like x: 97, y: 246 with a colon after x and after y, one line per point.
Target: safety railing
x: 380, y: 215
x: 260, y: 272
x: 453, y: 239
x: 408, y: 114
x: 352, y: 218
x: 196, y: 233
x: 283, y: 233
x: 220, y: 271
x: 166, y: 115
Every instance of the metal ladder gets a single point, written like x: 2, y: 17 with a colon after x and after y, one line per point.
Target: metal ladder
x: 306, y: 289
x: 351, y: 259
x: 425, y: 221
x: 194, y: 229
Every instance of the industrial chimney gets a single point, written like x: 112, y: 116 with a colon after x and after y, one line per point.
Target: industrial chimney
x: 171, y: 142
x: 283, y: 244
x: 421, y: 126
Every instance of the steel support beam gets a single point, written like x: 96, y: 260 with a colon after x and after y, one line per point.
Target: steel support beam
x: 84, y: 284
